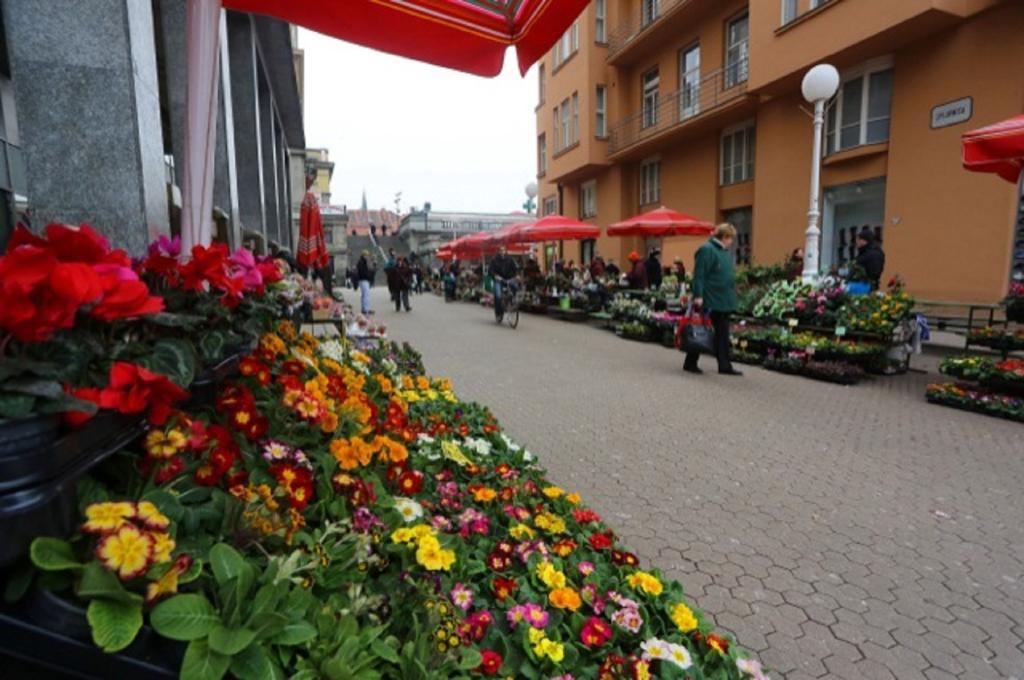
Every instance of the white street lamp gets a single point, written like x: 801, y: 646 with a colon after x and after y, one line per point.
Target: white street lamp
x: 820, y: 84
x: 531, y: 193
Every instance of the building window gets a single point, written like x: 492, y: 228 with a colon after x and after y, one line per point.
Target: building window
x: 550, y: 206
x: 689, y: 82
x: 567, y: 44
x: 542, y: 154
x: 738, y: 154
x: 566, y: 126
x: 860, y: 112
x: 737, y: 50
x: 575, y: 118
x: 649, y: 103
x: 588, y: 199
x: 650, y: 181
x: 587, y: 248
x: 599, y: 21
x: 541, y: 82
x: 558, y: 136
x: 648, y: 11
x: 601, y: 111
x: 788, y: 11
x: 743, y: 220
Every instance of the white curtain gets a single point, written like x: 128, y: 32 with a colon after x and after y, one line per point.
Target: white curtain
x: 203, y: 26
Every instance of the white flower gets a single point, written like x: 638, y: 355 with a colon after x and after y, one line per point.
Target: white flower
x: 391, y: 367
x: 333, y: 350
x: 527, y: 456
x: 481, y: 446
x: 425, y: 438
x: 409, y: 509
x: 511, y: 445
x: 680, y: 656
x: 655, y: 649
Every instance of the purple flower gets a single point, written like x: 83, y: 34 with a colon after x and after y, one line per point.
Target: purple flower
x: 363, y: 520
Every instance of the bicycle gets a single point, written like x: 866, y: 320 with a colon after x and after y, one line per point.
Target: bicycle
x: 509, y: 303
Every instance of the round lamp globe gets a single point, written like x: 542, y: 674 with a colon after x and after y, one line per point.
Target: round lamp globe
x: 820, y: 83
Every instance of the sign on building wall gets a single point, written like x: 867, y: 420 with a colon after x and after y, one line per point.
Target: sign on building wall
x: 952, y: 113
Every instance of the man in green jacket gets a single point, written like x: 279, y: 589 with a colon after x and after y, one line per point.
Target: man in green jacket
x: 714, y: 291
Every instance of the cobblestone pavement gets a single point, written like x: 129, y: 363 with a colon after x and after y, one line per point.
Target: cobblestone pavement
x: 840, y: 532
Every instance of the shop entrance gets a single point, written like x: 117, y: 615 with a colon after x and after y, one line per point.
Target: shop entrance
x: 848, y: 209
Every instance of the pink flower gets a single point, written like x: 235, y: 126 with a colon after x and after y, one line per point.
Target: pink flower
x: 462, y: 597
x: 532, y: 613
x: 166, y: 246
x: 586, y: 568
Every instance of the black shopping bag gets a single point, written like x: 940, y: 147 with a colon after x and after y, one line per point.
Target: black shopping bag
x: 698, y: 335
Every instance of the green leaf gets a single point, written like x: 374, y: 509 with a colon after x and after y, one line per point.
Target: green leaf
x: 184, y: 617
x: 296, y: 633
x: 252, y: 663
x: 385, y: 651
x: 202, y: 663
x: 269, y: 625
x: 114, y: 624
x: 173, y: 358
x: 230, y: 641
x: 174, y: 320
x: 16, y: 405
x: 98, y: 583
x: 226, y: 563
x: 18, y: 582
x: 37, y: 387
x: 470, y: 659
x: 166, y: 501
x: 53, y: 554
x: 192, y: 574
x: 211, y: 346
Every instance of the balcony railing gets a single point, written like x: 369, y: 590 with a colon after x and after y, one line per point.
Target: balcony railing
x: 693, y: 100
x: 647, y: 14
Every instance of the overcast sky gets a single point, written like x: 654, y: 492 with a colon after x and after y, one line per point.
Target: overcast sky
x: 391, y: 124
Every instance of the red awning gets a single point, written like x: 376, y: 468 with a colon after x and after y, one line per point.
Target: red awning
x: 661, y: 222
x: 552, y: 228
x: 467, y: 35
x: 996, y: 148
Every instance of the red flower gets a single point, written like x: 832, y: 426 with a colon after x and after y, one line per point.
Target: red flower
x: 411, y: 482
x: 504, y: 547
x: 595, y: 632
x: 124, y: 296
x: 76, y: 418
x: 601, y: 541
x: 77, y: 244
x: 206, y: 475
x: 250, y: 366
x: 240, y: 478
x: 293, y: 367
x: 491, y: 663
x: 584, y: 516
x: 624, y: 558
x: 133, y: 389
x: 498, y: 561
x: 269, y: 271
x: 395, y: 470
x: 504, y: 588
x: 297, y: 481
x: 39, y: 295
x: 168, y: 469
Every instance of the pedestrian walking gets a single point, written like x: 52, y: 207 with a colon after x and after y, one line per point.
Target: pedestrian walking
x: 637, y: 276
x: 714, y: 291
x: 403, y: 284
x: 365, y: 274
x: 870, y: 257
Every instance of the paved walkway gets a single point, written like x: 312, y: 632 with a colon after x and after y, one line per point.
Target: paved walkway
x: 838, y: 532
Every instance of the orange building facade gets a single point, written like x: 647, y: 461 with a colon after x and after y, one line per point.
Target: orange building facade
x: 696, y: 105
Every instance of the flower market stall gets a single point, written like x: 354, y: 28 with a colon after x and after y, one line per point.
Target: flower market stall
x: 320, y: 511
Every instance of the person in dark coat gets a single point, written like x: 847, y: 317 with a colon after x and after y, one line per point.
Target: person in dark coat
x: 638, y: 273
x: 403, y: 284
x: 612, y: 269
x: 653, y: 266
x: 503, y: 271
x: 365, y: 275
x: 597, y: 267
x: 870, y: 257
x: 714, y: 291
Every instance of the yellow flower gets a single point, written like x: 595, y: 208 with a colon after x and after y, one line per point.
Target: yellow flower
x: 403, y: 535
x: 126, y: 552
x: 521, y: 532
x: 683, y: 617
x: 565, y: 598
x: 443, y: 384
x: 421, y: 531
x: 550, y: 523
x: 273, y: 344
x: 432, y: 556
x: 359, y: 357
x: 151, y: 516
x: 552, y: 491
x: 160, y: 444
x: 536, y: 635
x: 552, y: 578
x: 163, y: 544
x: 452, y: 452
x: 574, y: 498
x: 286, y: 329
x: 715, y: 644
x: 484, y: 495
x: 553, y: 650
x: 104, y: 517
x: 641, y: 580
x: 331, y: 366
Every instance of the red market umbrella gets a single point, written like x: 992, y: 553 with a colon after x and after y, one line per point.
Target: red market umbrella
x: 466, y: 35
x: 552, y: 228
x: 996, y: 148
x: 661, y: 222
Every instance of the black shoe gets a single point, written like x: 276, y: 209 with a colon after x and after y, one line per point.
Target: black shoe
x: 694, y: 369
x: 731, y: 371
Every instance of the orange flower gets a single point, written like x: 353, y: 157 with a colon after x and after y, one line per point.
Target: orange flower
x: 565, y: 598
x: 390, y: 449
x: 329, y: 423
x: 351, y: 453
x: 484, y: 495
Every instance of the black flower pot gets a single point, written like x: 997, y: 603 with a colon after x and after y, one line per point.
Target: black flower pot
x: 1015, y: 311
x: 25, y: 449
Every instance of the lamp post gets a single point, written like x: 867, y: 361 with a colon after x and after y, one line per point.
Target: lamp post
x: 531, y: 193
x: 819, y: 85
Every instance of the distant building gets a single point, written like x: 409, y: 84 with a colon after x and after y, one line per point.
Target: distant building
x: 359, y: 221
x: 423, y: 231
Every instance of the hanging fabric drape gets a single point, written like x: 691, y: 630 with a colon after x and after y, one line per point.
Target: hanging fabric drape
x: 203, y: 33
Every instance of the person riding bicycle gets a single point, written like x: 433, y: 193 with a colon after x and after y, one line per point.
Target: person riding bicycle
x: 503, y: 271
